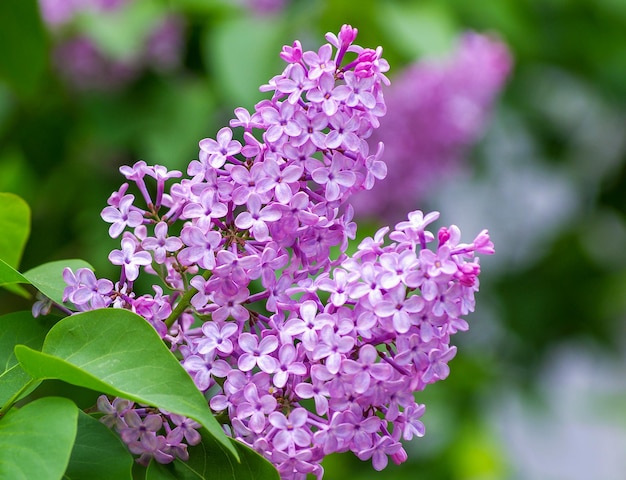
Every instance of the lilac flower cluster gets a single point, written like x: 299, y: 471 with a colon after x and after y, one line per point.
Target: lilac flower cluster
x: 436, y: 111
x: 150, y: 433
x: 85, y: 65
x: 301, y: 348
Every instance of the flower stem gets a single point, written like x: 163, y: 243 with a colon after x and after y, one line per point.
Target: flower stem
x: 184, y: 302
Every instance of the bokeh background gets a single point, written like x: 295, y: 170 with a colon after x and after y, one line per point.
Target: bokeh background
x: 538, y: 388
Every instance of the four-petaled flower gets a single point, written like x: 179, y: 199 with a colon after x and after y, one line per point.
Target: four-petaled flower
x: 291, y: 429
x: 130, y: 259
x: 220, y: 149
x: 257, y: 353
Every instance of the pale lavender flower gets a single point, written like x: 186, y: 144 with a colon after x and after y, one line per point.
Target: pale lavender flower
x: 130, y: 258
x: 256, y: 408
x: 204, y: 368
x: 161, y: 244
x: 86, y: 291
x: 200, y: 246
x: 366, y: 368
x: 122, y: 216
x: 256, y: 217
x: 292, y: 429
x: 220, y: 149
x: 217, y: 338
x: 320, y: 62
x: 378, y: 453
x: 287, y: 365
x: 257, y: 353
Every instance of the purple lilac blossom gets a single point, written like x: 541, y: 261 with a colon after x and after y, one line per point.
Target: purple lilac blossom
x: 435, y: 111
x: 264, y: 228
x: 85, y: 66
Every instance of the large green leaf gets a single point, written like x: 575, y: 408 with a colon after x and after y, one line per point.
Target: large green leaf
x: 98, y: 453
x: 48, y: 278
x: 11, y: 278
x: 117, y: 352
x: 17, y: 328
x: 36, y: 440
x: 208, y: 461
x: 15, y: 228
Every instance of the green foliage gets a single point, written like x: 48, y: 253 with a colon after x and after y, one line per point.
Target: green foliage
x: 36, y: 440
x: 15, y: 225
x: 111, y: 351
x: 15, y: 228
x: 8, y: 275
x: 24, y: 48
x: 203, y: 463
x: 88, y: 350
x: 97, y: 453
x: 19, y: 328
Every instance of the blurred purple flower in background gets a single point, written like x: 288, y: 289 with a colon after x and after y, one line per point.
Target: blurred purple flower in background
x: 56, y: 13
x: 86, y: 62
x: 264, y: 7
x: 435, y: 111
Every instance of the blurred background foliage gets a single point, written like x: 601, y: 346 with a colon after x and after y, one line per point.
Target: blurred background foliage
x: 538, y: 388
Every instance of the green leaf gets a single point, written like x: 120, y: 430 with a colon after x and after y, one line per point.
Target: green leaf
x: 9, y: 275
x: 24, y: 50
x: 15, y: 228
x: 117, y: 352
x: 208, y: 461
x: 17, y: 290
x: 9, y: 279
x: 98, y: 453
x: 155, y: 471
x: 17, y: 328
x: 48, y: 278
x: 243, y: 54
x: 36, y: 440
